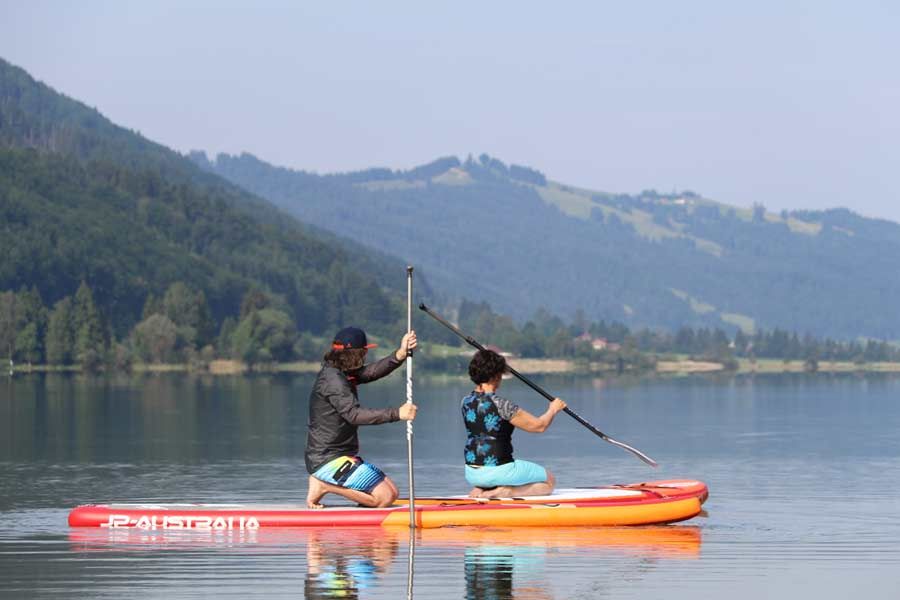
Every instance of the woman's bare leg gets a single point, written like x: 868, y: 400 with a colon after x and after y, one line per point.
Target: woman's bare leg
x: 540, y: 488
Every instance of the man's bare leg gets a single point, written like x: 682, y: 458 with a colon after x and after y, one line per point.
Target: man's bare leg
x: 382, y: 494
x: 391, y: 487
x: 318, y: 488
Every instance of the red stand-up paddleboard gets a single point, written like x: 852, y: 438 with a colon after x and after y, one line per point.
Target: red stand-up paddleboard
x: 647, y: 503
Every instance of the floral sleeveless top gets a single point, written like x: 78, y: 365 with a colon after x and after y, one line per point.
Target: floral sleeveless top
x: 487, y: 415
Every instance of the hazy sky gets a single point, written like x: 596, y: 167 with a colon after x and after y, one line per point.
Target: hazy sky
x: 792, y: 104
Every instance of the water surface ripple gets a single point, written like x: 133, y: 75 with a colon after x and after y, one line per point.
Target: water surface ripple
x: 804, y: 474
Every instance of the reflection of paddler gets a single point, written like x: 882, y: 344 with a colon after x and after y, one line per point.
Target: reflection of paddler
x: 499, y: 572
x: 489, y: 575
x: 508, y: 563
x: 338, y: 567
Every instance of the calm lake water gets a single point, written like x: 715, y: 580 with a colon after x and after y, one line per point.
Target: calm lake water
x: 804, y: 474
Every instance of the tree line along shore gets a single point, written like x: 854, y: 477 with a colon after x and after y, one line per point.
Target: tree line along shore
x: 176, y: 332
x: 664, y: 365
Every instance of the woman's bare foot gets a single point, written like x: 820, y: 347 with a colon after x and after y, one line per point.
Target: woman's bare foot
x: 316, y: 490
x: 476, y: 492
x: 501, y: 491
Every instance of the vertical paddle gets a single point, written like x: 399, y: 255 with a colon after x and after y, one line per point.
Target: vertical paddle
x: 409, y: 399
x: 411, y: 562
x: 411, y: 557
x: 542, y: 392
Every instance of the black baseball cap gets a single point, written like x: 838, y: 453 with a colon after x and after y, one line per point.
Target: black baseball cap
x: 351, y: 337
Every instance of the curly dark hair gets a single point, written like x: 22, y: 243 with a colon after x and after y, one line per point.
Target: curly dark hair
x: 345, y: 360
x: 485, y: 365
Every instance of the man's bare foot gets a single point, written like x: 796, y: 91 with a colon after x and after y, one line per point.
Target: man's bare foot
x: 316, y: 490
x: 476, y: 492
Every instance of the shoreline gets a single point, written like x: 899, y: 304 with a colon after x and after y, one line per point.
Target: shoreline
x: 526, y: 366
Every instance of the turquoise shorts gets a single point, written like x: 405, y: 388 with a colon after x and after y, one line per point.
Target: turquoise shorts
x: 517, y: 472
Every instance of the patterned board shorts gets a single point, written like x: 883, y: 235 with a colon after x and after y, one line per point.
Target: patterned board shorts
x: 351, y: 472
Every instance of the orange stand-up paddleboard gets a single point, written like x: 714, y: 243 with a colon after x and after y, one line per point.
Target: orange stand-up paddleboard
x: 633, y: 504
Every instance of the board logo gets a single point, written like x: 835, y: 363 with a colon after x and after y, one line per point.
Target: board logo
x: 180, y: 522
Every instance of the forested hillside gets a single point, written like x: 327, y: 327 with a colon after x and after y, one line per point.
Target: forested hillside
x: 83, y: 200
x: 116, y: 248
x: 504, y: 234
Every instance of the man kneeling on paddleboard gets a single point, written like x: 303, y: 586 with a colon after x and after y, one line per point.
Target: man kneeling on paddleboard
x: 490, y: 421
x: 332, y: 444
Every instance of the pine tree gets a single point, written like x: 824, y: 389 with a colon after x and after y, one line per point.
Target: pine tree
x: 28, y: 344
x: 10, y: 318
x: 190, y: 313
x: 60, y: 336
x: 264, y: 336
x: 33, y: 327
x: 90, y: 345
x: 253, y: 300
x: 224, y: 341
x: 152, y: 306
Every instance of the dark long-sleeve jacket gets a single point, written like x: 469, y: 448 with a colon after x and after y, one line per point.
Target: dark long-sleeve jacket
x: 335, y: 413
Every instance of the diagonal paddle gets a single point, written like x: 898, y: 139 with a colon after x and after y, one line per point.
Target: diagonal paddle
x: 542, y: 392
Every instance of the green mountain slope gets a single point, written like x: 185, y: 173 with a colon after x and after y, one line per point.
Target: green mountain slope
x: 84, y: 199
x: 504, y: 234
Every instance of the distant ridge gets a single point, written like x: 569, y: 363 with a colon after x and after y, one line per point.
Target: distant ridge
x: 506, y: 235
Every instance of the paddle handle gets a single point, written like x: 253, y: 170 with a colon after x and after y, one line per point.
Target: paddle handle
x: 541, y: 391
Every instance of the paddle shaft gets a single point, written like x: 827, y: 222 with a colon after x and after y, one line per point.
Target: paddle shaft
x: 409, y: 399
x: 541, y: 390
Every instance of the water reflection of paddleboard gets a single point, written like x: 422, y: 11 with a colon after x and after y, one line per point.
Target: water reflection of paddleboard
x: 496, y: 563
x: 632, y: 504
x: 664, y: 541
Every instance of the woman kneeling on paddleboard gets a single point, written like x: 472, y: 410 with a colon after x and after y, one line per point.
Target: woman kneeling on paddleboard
x: 332, y: 444
x: 490, y: 421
